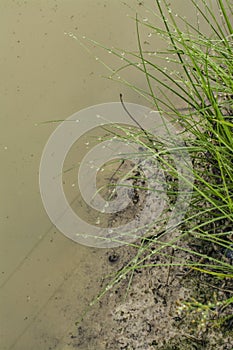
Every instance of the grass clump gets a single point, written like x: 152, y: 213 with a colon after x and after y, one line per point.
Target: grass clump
x: 194, y: 88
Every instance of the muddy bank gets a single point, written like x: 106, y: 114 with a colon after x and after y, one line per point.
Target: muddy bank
x: 155, y: 308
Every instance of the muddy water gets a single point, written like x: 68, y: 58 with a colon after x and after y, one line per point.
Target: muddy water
x: 46, y: 279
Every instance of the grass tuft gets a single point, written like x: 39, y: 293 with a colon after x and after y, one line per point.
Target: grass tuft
x: 197, y: 74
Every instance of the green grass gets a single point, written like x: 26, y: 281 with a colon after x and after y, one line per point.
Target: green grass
x: 196, y: 70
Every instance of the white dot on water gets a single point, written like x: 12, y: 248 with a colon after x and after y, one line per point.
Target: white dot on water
x: 97, y: 58
x: 87, y: 143
x: 6, y: 147
x: 77, y: 120
x: 73, y: 185
x: 35, y: 124
x: 84, y: 37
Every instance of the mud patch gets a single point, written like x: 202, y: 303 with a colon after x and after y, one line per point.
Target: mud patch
x: 146, y: 311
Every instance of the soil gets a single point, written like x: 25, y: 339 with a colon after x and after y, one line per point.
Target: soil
x: 149, y: 308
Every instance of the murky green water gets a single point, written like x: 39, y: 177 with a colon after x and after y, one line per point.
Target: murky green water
x: 46, y: 279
